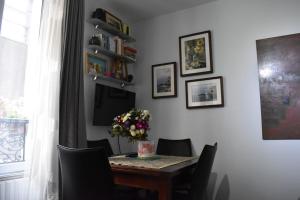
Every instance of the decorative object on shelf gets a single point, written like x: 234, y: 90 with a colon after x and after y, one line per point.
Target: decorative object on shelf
x: 129, y: 78
x: 99, y: 13
x: 195, y: 54
x: 279, y: 81
x: 164, y: 82
x: 95, y: 65
x: 204, y: 93
x: 133, y: 125
x: 95, y: 41
x: 126, y: 29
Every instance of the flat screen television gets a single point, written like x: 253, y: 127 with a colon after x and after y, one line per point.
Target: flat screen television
x: 110, y: 102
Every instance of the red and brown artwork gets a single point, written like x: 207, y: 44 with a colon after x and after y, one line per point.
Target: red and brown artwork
x: 279, y: 79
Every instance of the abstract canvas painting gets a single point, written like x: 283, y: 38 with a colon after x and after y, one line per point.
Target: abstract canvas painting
x: 279, y: 79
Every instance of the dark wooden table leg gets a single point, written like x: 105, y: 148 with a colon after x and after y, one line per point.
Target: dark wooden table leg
x: 165, y: 190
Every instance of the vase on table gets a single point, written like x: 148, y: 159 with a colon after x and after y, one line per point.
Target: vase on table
x: 146, y: 148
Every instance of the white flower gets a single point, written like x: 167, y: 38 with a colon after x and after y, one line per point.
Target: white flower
x: 132, y: 127
x: 146, y: 112
x: 132, y: 133
x: 126, y: 117
x: 137, y: 132
x: 142, y: 131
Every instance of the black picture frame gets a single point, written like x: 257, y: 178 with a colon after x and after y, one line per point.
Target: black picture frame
x: 95, y: 65
x: 195, y: 53
x: 164, y: 80
x: 113, y: 21
x: 204, y: 93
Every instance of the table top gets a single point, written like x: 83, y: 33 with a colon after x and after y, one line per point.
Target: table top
x: 173, y: 166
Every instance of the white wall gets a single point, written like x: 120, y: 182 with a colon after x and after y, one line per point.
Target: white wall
x: 99, y: 132
x: 256, y: 168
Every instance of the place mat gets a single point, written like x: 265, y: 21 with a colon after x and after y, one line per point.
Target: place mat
x: 156, y: 162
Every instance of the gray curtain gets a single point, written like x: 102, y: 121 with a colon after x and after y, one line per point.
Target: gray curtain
x: 1, y: 11
x: 72, y: 130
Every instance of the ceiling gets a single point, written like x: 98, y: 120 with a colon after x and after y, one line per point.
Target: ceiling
x: 136, y: 10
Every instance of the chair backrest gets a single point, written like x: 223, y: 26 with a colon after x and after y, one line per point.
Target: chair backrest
x: 104, y: 143
x: 85, y: 173
x: 168, y: 147
x: 202, y: 172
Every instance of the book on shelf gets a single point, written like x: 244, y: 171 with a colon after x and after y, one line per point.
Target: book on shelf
x: 129, y: 49
x: 105, y: 41
x: 112, y: 44
x: 119, y: 44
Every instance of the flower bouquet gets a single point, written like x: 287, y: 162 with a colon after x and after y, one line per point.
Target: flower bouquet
x: 133, y: 125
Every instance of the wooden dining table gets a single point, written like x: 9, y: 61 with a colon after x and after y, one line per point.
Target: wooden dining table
x: 155, y: 179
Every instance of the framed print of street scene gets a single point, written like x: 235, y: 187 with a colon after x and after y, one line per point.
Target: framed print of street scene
x: 164, y: 80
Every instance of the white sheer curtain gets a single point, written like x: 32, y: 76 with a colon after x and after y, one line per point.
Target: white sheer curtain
x: 42, y: 99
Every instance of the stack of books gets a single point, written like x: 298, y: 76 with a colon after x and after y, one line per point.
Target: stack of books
x: 130, y: 52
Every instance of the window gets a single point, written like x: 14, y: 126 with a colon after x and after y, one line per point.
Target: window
x: 16, y: 20
x: 15, y: 26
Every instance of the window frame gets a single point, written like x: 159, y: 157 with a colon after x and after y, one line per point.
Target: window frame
x: 1, y: 12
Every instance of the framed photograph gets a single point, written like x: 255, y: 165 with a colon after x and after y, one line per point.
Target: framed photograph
x: 279, y: 81
x: 164, y: 82
x: 113, y: 21
x: 204, y: 93
x: 95, y: 65
x: 195, y: 54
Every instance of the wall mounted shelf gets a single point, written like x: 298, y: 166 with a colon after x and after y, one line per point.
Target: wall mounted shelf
x: 97, y: 49
x: 99, y: 24
x: 122, y: 83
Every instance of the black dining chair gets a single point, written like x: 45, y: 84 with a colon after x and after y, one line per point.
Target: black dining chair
x: 200, y: 176
x: 182, y: 147
x: 85, y: 174
x: 101, y: 143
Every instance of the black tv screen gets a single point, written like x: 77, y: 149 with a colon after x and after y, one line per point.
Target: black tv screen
x: 111, y: 102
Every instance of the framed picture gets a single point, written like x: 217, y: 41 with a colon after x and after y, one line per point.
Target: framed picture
x: 113, y: 21
x: 279, y: 81
x: 164, y: 82
x: 95, y: 65
x: 119, y: 69
x: 204, y: 93
x: 195, y: 54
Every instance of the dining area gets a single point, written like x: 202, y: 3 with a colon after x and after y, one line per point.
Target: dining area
x: 172, y: 173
